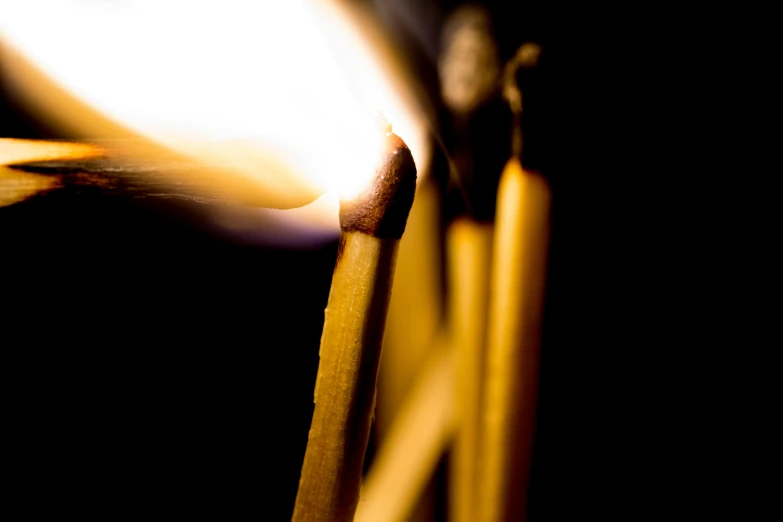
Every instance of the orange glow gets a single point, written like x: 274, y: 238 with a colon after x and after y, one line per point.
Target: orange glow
x: 265, y: 83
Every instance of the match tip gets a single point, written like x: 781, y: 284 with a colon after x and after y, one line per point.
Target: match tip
x: 382, y: 210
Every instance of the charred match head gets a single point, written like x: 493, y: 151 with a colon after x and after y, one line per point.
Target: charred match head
x: 382, y: 210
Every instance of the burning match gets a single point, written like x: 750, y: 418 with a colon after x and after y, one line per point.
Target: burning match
x: 371, y: 227
x: 141, y: 168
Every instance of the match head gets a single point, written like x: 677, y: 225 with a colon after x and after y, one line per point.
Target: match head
x: 382, y: 210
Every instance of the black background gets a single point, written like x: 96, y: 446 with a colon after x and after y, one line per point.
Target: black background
x: 152, y: 366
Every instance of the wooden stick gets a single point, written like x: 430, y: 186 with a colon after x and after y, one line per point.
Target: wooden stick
x: 415, y: 309
x: 138, y: 168
x: 16, y: 185
x: 469, y: 71
x: 13, y: 150
x: 413, y: 323
x: 418, y: 436
x: 515, y: 311
x: 351, y: 341
x: 469, y: 249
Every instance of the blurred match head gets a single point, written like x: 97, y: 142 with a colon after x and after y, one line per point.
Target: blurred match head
x: 469, y: 66
x: 382, y: 209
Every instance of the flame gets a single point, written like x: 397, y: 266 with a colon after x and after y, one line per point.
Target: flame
x: 265, y: 83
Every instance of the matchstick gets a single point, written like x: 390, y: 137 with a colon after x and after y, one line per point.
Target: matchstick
x: 469, y: 69
x: 513, y: 346
x: 14, y: 150
x: 421, y: 431
x: 16, y: 185
x: 140, y: 168
x: 516, y: 303
x: 372, y: 226
x: 468, y: 258
x: 415, y: 308
x: 469, y: 250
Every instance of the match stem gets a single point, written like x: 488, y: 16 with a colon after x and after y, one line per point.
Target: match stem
x: 469, y: 249
x: 513, y: 347
x: 345, y: 386
x: 409, y: 454
x: 141, y: 168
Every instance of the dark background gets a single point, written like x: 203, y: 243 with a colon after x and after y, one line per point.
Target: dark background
x: 153, y: 366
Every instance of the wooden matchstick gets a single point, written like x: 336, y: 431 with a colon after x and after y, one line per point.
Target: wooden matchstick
x: 516, y: 304
x: 415, y: 309
x: 517, y: 287
x: 16, y: 185
x: 469, y: 77
x: 139, y: 168
x: 421, y: 431
x: 469, y: 251
x: 372, y: 226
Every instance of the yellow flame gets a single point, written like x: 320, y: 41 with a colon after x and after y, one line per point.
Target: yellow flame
x: 293, y: 81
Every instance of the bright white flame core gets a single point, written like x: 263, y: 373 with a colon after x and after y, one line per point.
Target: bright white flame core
x: 291, y: 77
